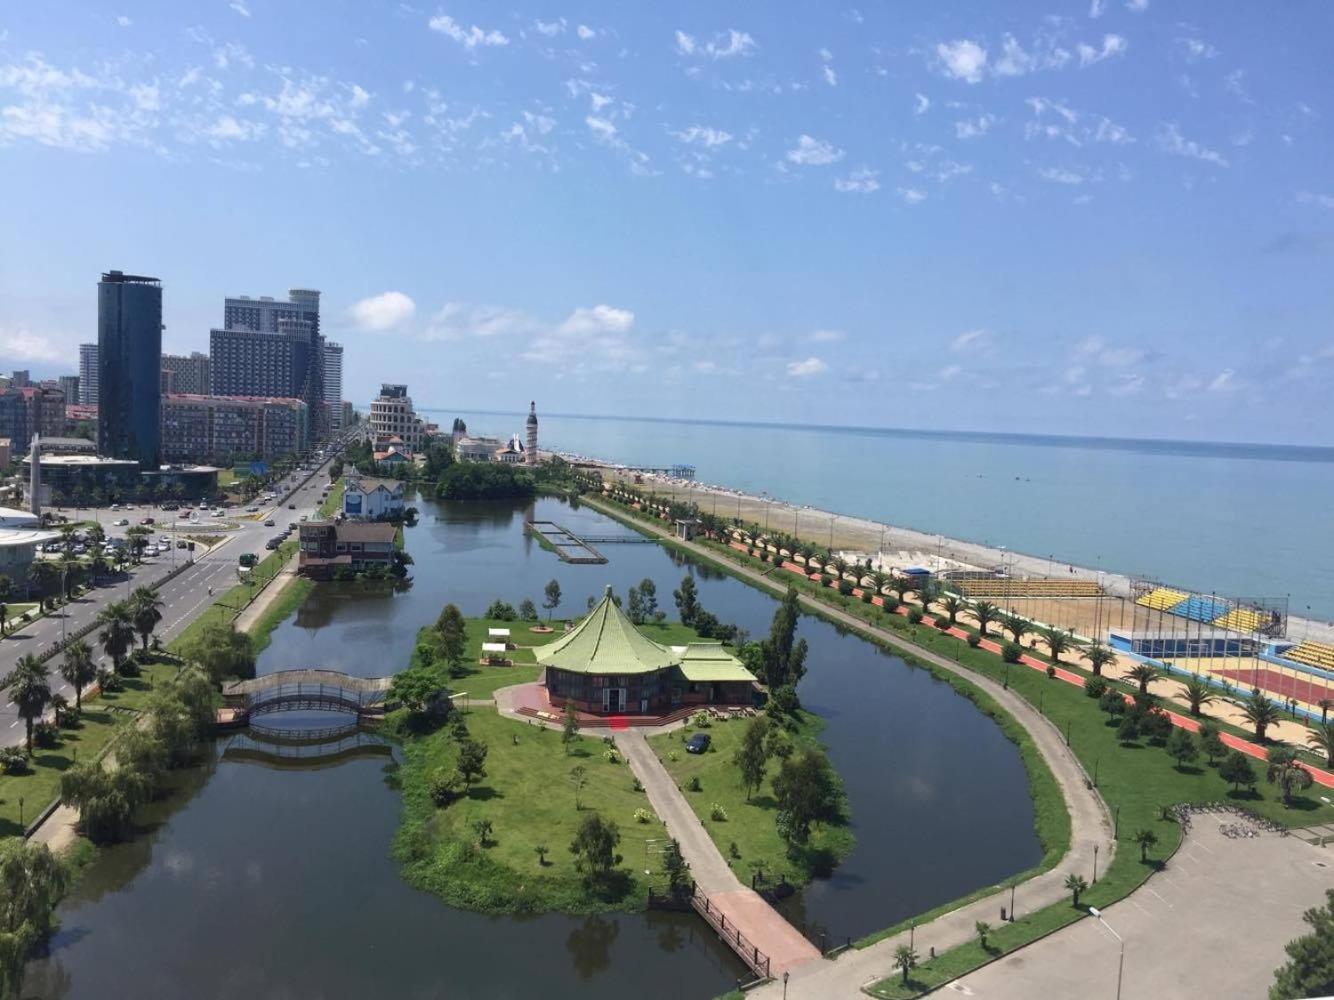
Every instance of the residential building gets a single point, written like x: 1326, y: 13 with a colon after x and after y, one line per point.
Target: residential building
x: 297, y: 316
x: 224, y: 429
x: 477, y: 449
x: 326, y: 547
x: 187, y: 374
x: 373, y: 499
x: 348, y: 415
x: 333, y: 383
x: 14, y: 418
x: 46, y: 410
x: 392, y: 416
x: 88, y: 375
x: 129, y: 354
x: 69, y: 385
x: 20, y: 378
x: 251, y: 363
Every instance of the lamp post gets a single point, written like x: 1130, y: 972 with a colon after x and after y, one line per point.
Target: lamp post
x: 785, y: 975
x: 1121, y: 963
x: 1095, y: 864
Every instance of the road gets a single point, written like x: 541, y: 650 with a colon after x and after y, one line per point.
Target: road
x: 183, y: 597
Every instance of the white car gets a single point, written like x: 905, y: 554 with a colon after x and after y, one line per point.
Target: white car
x: 122, y: 522
x: 217, y: 513
x: 164, y: 547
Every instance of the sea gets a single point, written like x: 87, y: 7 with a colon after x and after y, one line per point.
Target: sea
x: 1247, y: 521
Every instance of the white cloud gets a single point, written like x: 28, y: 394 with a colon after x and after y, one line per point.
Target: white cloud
x: 469, y: 38
x: 1060, y: 175
x: 550, y: 28
x: 810, y: 152
x: 382, y: 312
x: 1137, y: 5
x: 1197, y: 48
x: 973, y: 128
x: 1222, y: 381
x: 724, y: 45
x: 230, y: 129
x: 1112, y: 45
x: 702, y: 135
x: 596, y: 336
x: 949, y: 372
x: 971, y: 340
x: 827, y: 336
x: 455, y: 320
x: 1170, y: 140
x: 1127, y: 385
x: 921, y: 103
x: 685, y: 44
x: 600, y: 127
x: 585, y: 32
x: 862, y: 181
x: 240, y: 7
x: 1315, y: 198
x: 21, y: 344
x: 124, y: 21
x: 963, y: 59
x: 1096, y: 8
x: 830, y: 77
x: 806, y: 368
x: 911, y: 195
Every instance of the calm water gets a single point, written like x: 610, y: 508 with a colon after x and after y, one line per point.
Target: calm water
x: 268, y: 882
x: 1240, y: 520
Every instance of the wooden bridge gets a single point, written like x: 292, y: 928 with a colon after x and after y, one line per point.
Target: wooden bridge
x: 303, y: 691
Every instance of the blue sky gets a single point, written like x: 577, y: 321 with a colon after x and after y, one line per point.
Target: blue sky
x: 1107, y: 218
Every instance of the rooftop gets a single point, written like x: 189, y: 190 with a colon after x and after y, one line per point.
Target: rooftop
x: 606, y: 642
x: 708, y: 662
x: 89, y: 461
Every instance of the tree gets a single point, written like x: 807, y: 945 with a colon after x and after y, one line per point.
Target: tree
x: 1237, y: 770
x: 1099, y: 656
x: 415, y: 687
x: 1321, y: 738
x: 221, y: 651
x: 1016, y: 625
x: 752, y: 755
x: 500, y: 611
x: 1181, y: 748
x: 1197, y: 692
x: 985, y: 612
x: 952, y: 605
x: 1057, y: 640
x: 578, y: 778
x: 1283, y: 770
x: 906, y: 959
x: 983, y: 929
x: 117, y: 633
x: 527, y: 610
x: 33, y: 881
x: 42, y: 575
x: 1113, y: 702
x: 1143, y: 674
x: 551, y: 597
x: 687, y: 600
x: 634, y: 606
x: 1146, y: 839
x: 784, y: 661
x: 453, y: 632
x: 78, y: 669
x: 1324, y: 704
x: 676, y: 868
x: 648, y: 596
x: 145, y: 612
x: 807, y: 791
x: 1309, y: 971
x: 1128, y: 730
x: 594, y: 847
x: 1211, y: 743
x: 105, y: 799
x: 1260, y: 712
x: 472, y: 762
x: 30, y: 690
x: 569, y: 726
x: 1075, y: 885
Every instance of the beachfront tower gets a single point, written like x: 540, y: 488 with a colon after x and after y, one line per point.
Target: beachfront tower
x: 530, y: 456
x: 35, y: 478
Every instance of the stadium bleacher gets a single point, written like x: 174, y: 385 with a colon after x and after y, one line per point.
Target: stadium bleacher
x: 1201, y: 609
x: 1315, y: 654
x: 1242, y: 620
x: 1162, y: 599
x: 1001, y: 587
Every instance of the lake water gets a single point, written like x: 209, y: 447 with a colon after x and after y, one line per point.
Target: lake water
x: 258, y: 881
x: 1250, y: 521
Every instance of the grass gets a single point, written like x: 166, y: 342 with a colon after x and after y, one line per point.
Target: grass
x: 749, y: 826
x: 334, y: 501
x: 529, y: 800
x: 295, y: 592
x: 229, y: 604
x: 226, y: 477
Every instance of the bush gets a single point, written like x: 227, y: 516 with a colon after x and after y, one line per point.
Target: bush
x: 889, y: 605
x: 45, y: 735
x: 130, y: 668
x: 643, y: 816
x: 694, y: 785
x: 611, y: 756
x: 915, y: 616
x: 717, y: 813
x: 1051, y: 672
x: 844, y: 588
x: 109, y: 681
x: 974, y: 640
x: 13, y: 760
x: 943, y: 624
x: 501, y: 611
x: 866, y: 597
x: 444, y: 787
x: 1011, y: 652
x: 700, y: 719
x: 1095, y: 687
x: 673, y: 756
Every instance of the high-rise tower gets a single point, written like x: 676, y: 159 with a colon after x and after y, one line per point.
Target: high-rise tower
x: 129, y: 355
x: 530, y: 454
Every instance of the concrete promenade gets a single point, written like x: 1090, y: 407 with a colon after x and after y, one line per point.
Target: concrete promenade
x: 1090, y: 823
x: 744, y: 908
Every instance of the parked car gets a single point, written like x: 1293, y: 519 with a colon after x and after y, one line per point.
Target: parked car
x: 273, y: 543
x: 148, y: 520
x: 698, y: 743
x: 122, y: 522
x: 304, y: 517
x: 270, y: 523
x: 180, y: 543
x: 164, y: 547
x: 252, y: 509
x: 291, y: 506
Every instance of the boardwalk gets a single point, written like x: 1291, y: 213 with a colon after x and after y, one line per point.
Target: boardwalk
x: 731, y: 905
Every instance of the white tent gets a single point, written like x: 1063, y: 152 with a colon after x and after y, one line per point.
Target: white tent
x: 494, y: 647
x: 498, y: 633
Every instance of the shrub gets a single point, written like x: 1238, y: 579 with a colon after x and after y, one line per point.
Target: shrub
x: 13, y: 760
x: 890, y: 605
x: 444, y: 787
x: 643, y: 816
x: 734, y: 851
x: 974, y: 640
x: 45, y: 735
x: 943, y: 624
x: 844, y: 587
x: 109, y: 681
x: 1051, y: 672
x: 501, y: 611
x: 915, y: 615
x: 700, y: 719
x: 1095, y: 687
x: 611, y: 756
x: 638, y: 785
x: 1011, y: 652
x: 694, y: 785
x: 673, y: 756
x: 717, y: 813
x: 866, y: 597
x: 130, y: 668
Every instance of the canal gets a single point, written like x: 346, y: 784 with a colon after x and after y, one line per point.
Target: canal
x: 255, y: 880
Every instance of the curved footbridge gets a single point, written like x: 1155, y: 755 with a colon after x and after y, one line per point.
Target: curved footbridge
x: 303, y: 691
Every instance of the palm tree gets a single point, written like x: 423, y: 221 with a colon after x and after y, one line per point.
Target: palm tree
x: 117, y: 633
x: 41, y: 575
x: 1076, y: 884
x: 1016, y: 625
x: 1284, y: 771
x: 952, y: 605
x: 98, y: 566
x: 878, y: 581
x: 145, y: 612
x: 985, y: 612
x: 96, y: 535
x: 30, y: 690
x: 927, y: 591
x: 906, y: 959
x: 899, y: 587
x: 78, y: 669
x: 69, y: 566
x: 1260, y: 712
x: 840, y: 567
x: 1058, y: 640
x: 1198, y: 693
x: 1146, y: 839
x: 67, y: 536
x: 1099, y: 656
x: 1144, y: 674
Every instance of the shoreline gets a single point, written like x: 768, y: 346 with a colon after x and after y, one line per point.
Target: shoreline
x: 865, y: 535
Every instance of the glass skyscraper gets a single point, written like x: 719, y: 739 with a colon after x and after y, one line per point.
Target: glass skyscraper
x: 129, y: 355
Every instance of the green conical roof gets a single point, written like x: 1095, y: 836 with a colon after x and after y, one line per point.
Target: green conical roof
x: 606, y: 642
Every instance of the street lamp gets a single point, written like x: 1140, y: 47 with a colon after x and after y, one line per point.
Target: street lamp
x: 1121, y: 963
x: 785, y: 975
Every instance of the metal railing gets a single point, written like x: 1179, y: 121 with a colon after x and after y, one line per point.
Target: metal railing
x: 757, y: 960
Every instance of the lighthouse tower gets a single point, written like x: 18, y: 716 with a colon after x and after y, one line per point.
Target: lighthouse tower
x: 530, y: 456
x: 35, y: 476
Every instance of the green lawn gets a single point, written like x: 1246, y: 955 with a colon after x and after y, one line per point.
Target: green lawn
x: 749, y: 826
x: 529, y: 799
x: 334, y: 501
x: 294, y: 594
x: 227, y: 605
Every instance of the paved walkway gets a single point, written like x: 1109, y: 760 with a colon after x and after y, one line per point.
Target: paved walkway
x: 1090, y: 823
x: 744, y: 908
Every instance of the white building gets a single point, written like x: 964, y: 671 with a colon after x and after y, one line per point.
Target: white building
x: 20, y: 534
x: 333, y: 383
x: 373, y: 499
x: 88, y: 376
x: 392, y: 416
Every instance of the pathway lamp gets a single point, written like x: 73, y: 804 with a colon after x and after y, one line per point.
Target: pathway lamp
x: 1121, y: 963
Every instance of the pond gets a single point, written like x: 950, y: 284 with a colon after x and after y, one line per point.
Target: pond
x: 258, y: 880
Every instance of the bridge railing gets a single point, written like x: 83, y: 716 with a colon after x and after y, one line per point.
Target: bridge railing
x: 731, y: 933
x: 337, y: 692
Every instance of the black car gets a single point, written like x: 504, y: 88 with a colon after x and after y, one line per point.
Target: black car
x: 698, y: 743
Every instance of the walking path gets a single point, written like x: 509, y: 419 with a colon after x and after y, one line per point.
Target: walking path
x: 742, y: 907
x: 271, y: 592
x: 1090, y: 824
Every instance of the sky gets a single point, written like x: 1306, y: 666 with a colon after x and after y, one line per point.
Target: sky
x: 1105, y: 217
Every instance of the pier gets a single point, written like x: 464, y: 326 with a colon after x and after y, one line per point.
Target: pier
x: 569, y: 547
